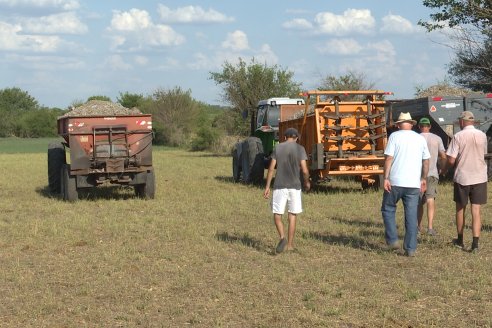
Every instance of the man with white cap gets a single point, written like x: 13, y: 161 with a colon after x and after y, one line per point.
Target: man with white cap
x: 290, y: 159
x: 466, y: 153
x: 406, y: 167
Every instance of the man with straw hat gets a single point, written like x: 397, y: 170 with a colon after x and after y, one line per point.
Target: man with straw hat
x: 405, y: 173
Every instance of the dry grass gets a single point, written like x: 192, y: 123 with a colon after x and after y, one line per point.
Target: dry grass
x: 201, y: 254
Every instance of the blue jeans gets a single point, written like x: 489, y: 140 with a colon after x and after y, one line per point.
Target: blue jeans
x: 410, y: 198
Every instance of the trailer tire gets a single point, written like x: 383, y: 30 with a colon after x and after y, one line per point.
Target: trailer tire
x: 252, y: 160
x: 56, y: 160
x: 68, y: 184
x: 236, y: 162
x: 146, y: 190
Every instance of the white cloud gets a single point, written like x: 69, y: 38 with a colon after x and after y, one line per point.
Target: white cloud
x: 192, y: 14
x: 160, y: 35
x: 236, y: 41
x: 266, y: 55
x: 298, y: 24
x: 55, y: 4
x: 201, y: 61
x: 352, y: 21
x: 168, y: 64
x: 133, y: 20
x: 141, y: 60
x: 12, y: 39
x: 116, y: 63
x: 46, y: 63
x: 64, y: 23
x: 135, y: 30
x: 396, y: 24
x: 383, y: 52
x: 340, y: 47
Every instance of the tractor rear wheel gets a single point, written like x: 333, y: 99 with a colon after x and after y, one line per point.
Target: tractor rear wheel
x: 252, y: 160
x: 68, y: 184
x: 146, y: 190
x: 236, y: 162
x: 56, y: 160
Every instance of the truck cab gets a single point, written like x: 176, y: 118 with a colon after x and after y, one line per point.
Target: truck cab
x: 268, y: 115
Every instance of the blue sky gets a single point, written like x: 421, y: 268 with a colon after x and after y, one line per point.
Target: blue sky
x: 61, y: 51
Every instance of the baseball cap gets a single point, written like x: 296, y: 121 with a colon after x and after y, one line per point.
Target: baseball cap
x: 291, y: 132
x: 424, y: 120
x: 467, y: 116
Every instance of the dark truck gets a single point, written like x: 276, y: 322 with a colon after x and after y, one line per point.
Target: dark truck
x: 114, y: 149
x: 443, y: 112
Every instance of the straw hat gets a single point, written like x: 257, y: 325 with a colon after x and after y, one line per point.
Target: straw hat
x: 405, y: 117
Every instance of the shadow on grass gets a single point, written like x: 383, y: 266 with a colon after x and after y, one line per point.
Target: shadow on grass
x: 230, y: 180
x: 327, y: 189
x: 96, y: 193
x: 322, y: 189
x: 350, y: 241
x: 206, y: 155
x: 487, y: 227
x: 358, y: 223
x: 244, y: 239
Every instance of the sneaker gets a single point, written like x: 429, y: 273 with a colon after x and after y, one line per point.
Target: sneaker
x: 456, y: 244
x: 281, y: 245
x: 474, y: 250
x: 394, y: 246
x: 431, y: 232
x: 410, y: 253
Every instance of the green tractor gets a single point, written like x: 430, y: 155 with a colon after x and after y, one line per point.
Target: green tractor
x: 251, y: 156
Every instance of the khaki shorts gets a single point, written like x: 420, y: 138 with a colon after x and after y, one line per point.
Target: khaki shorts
x: 431, y: 191
x: 286, y: 197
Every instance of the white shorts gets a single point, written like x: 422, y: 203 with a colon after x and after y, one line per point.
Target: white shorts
x: 289, y: 197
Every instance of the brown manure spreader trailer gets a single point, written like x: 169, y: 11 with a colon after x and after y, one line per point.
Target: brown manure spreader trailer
x: 344, y: 134
x: 107, y: 143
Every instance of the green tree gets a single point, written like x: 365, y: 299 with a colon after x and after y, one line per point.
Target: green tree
x: 472, y: 65
x: 130, y: 100
x: 350, y: 81
x: 453, y: 13
x: 13, y: 103
x: 245, y: 84
x: 472, y: 20
x: 174, y: 112
x: 103, y: 98
x: 38, y: 123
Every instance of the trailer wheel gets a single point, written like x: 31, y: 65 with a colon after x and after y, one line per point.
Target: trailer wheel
x: 56, y: 160
x: 236, y: 162
x: 146, y: 190
x: 252, y: 160
x: 68, y: 184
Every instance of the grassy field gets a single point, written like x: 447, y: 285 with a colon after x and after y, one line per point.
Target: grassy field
x: 201, y: 254
x: 25, y: 146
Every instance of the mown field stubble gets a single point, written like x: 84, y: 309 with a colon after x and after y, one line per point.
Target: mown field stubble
x: 201, y: 254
